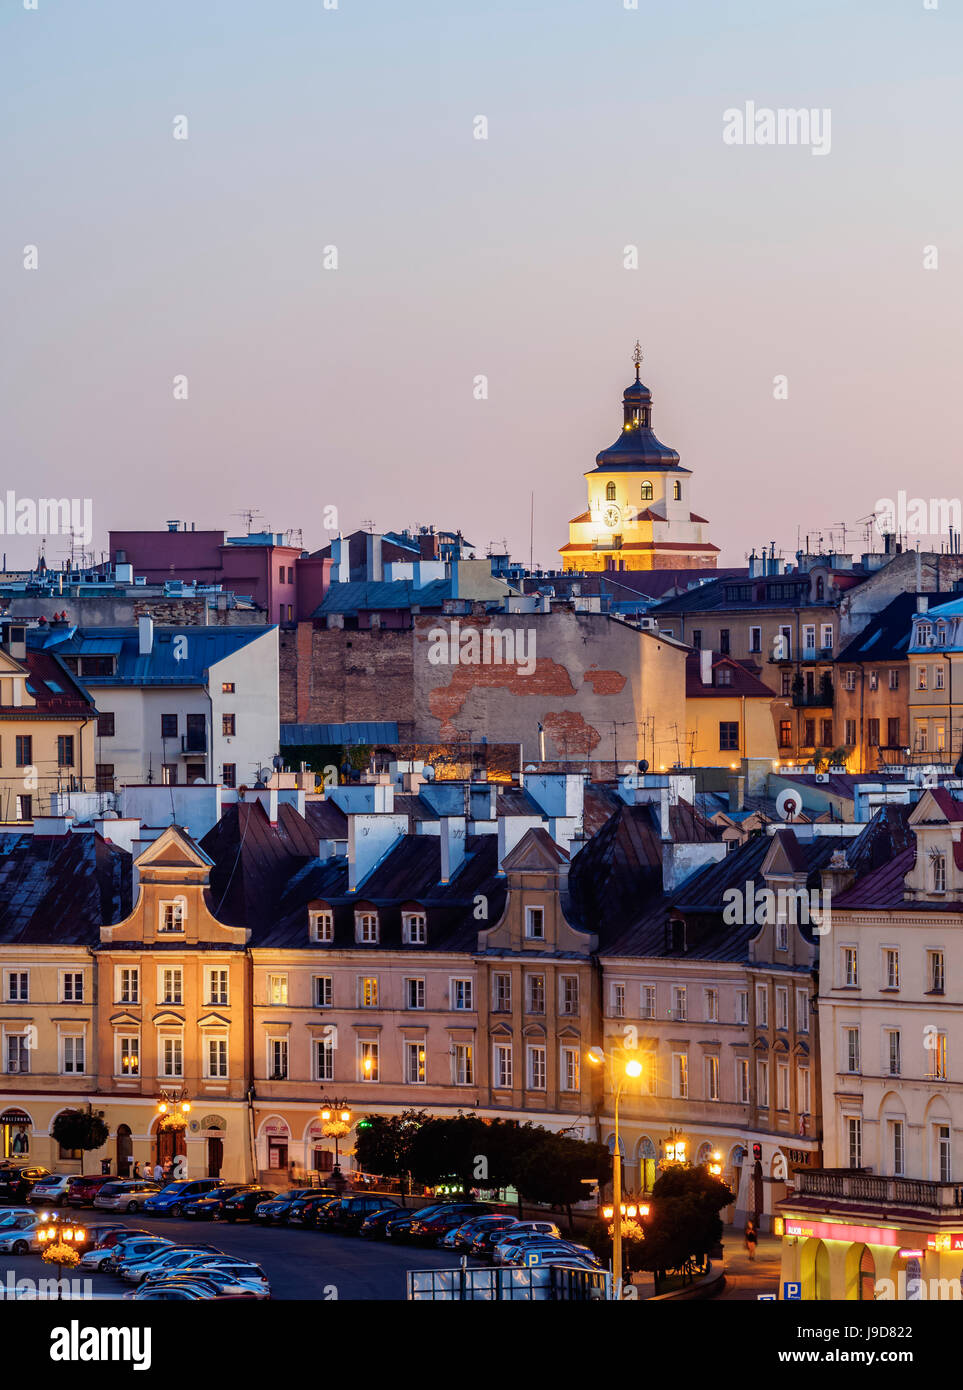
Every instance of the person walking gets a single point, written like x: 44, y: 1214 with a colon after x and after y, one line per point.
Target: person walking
x: 158, y: 1172
x: 751, y: 1238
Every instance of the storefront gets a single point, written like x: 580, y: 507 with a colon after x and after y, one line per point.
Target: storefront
x: 15, y: 1127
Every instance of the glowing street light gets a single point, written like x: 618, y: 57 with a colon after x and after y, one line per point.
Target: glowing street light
x: 631, y: 1070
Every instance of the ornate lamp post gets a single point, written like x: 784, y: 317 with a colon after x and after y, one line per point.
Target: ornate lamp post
x: 631, y: 1069
x: 60, y: 1249
x: 335, y: 1124
x: 173, y: 1110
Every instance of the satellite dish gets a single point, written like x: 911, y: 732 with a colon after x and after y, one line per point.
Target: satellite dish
x: 788, y: 804
x: 530, y: 767
x: 277, y: 762
x: 643, y: 765
x: 428, y: 772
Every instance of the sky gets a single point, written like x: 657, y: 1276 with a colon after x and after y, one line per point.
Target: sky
x: 468, y: 349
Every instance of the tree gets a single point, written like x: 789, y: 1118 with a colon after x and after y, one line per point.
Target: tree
x: 552, y: 1171
x: 456, y: 1149
x: 683, y: 1224
x: 80, y: 1129
x: 383, y: 1143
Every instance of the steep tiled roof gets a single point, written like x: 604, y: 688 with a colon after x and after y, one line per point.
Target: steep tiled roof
x: 60, y: 889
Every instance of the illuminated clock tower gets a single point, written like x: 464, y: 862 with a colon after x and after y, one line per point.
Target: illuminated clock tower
x: 638, y: 516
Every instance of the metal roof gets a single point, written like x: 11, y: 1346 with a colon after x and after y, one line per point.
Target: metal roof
x: 168, y: 663
x: 299, y: 734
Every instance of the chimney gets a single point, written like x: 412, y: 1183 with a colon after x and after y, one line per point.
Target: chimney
x: 705, y: 666
x: 737, y: 792
x: 341, y: 562
x: 371, y: 835
x: 374, y: 571
x: 452, y: 829
x: 145, y: 634
x: 922, y: 603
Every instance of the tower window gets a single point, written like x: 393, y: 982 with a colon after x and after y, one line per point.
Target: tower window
x: 646, y: 492
x: 610, y: 492
x: 677, y: 492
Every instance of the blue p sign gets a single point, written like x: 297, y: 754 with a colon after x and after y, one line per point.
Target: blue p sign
x: 766, y: 1297
x: 792, y: 1290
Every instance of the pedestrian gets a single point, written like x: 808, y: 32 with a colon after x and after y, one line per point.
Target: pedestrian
x: 751, y: 1238
x: 158, y: 1172
x: 134, y: 1169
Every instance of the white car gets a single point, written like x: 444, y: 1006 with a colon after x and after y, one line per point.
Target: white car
x: 232, y: 1277
x: 525, y: 1230
x: 50, y: 1191
x: 21, y: 1235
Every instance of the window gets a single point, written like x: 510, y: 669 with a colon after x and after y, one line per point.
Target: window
x: 849, y: 732
x: 277, y: 1059
x: 366, y: 928
x: 536, y: 1068
x: 826, y: 732
x: 501, y: 993
x: 646, y: 494
x: 893, y: 678
x: 172, y: 985
x: 216, y: 1058
x: 610, y: 492
x: 24, y: 750
x: 65, y: 750
x: 227, y: 688
x: 898, y: 1147
x: 321, y: 926
x: 323, y: 991
x: 277, y: 989
x: 809, y: 733
x: 742, y: 1080
x: 785, y: 733
x: 128, y: 1055
x: 536, y: 994
x: 921, y: 678
x: 802, y: 1011
x: 850, y: 680
x: 723, y: 675
x: 569, y: 1070
x: 172, y: 1056
x: 128, y: 985
x: 171, y: 918
x: 854, y: 1140
x: 935, y: 971
x: 217, y: 986
x: 415, y: 1056
x: 679, y: 1003
x: 415, y: 928
x: 503, y: 1066
x: 228, y: 725
x: 802, y: 1090
x: 18, y: 987
x: 945, y: 1159
x: 872, y: 732
x: 893, y: 1057
x: 939, y: 873
x: 755, y: 640
x: 105, y: 725
x: 809, y: 639
x: 937, y: 1045
x: 18, y: 1053
x: 24, y: 808
x: 742, y: 1006
x: 850, y: 967
x: 724, y: 641
x: 921, y: 736
x: 782, y: 936
x: 677, y: 491
x: 762, y: 1006
x: 890, y: 968
x: 618, y: 1001
x: 782, y: 1008
x: 415, y: 994
x: 712, y: 1005
x: 535, y: 923
x: 368, y: 992
x: 169, y: 774
x: 728, y: 735
x: 874, y: 680
x: 938, y: 678
x: 712, y: 1078
x: 826, y: 637
x: 104, y: 777
x: 73, y: 1056
x: 72, y: 987
x: 462, y: 995
x: 851, y: 1049
x: 894, y: 732
x: 324, y: 1059
x: 168, y: 726
x: 762, y: 1084
x: 569, y: 994
x: 697, y: 638
x: 782, y: 1086
x: 464, y: 1065
x: 680, y: 1075
x: 228, y: 774
x: 648, y: 1001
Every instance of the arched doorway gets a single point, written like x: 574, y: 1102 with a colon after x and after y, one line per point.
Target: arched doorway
x: 860, y: 1274
x: 15, y: 1126
x: 815, y: 1272
x: 125, y: 1151
x: 170, y: 1145
x: 213, y: 1127
x: 276, y: 1139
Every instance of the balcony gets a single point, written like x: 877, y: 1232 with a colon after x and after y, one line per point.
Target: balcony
x: 854, y: 1185
x: 194, y: 742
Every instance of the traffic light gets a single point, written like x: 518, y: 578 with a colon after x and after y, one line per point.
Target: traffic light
x: 363, y: 1124
x: 757, y: 1152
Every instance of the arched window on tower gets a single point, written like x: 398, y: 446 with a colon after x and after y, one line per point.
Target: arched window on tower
x: 820, y: 588
x: 646, y: 491
x: 610, y: 492
x: 677, y: 491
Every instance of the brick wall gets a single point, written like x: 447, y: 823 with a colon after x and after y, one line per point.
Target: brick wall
x: 332, y: 677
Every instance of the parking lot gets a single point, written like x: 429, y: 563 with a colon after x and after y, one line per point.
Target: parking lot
x: 299, y: 1263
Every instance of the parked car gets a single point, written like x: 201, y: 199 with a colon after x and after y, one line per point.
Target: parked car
x: 20, y: 1236
x: 210, y: 1205
x: 306, y: 1211
x: 375, y: 1225
x: 17, y: 1181
x: 105, y: 1256
x: 241, y: 1206
x: 398, y: 1227
x: 187, y: 1291
x: 426, y: 1229
x: 81, y: 1191
x: 215, y: 1270
x: 176, y: 1256
x: 461, y: 1237
x: 348, y: 1214
x: 276, y: 1208
x: 51, y: 1190
x: 169, y: 1201
x: 533, y: 1252
x: 129, y: 1195
x: 8, y: 1214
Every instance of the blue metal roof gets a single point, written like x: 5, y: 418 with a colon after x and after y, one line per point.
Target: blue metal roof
x: 396, y: 593
x: 169, y: 662
x: 299, y: 734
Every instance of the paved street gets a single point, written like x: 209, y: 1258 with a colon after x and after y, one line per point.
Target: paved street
x: 745, y: 1278
x: 299, y: 1264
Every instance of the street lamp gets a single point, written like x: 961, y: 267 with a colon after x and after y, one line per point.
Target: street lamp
x: 173, y: 1111
x: 63, y: 1251
x: 632, y: 1068
x: 335, y: 1124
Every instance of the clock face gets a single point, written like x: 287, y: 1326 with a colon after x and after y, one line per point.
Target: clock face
x: 612, y: 515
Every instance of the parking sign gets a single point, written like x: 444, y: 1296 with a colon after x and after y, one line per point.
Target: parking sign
x: 766, y: 1297
x: 792, y: 1290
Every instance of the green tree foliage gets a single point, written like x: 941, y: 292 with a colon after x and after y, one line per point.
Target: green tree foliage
x: 383, y: 1144
x: 80, y: 1129
x: 552, y: 1170
x: 683, y: 1224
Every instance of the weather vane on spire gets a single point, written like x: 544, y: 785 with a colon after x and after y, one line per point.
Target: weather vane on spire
x: 637, y: 358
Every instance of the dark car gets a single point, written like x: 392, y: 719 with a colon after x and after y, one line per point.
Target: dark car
x: 104, y: 1237
x: 485, y: 1238
x: 348, y: 1214
x: 170, y: 1200
x: 81, y: 1191
x: 374, y: 1226
x: 427, y: 1227
x: 398, y: 1227
x: 304, y: 1211
x: 276, y: 1208
x: 210, y: 1205
x: 461, y: 1237
x: 17, y: 1180
x: 241, y: 1207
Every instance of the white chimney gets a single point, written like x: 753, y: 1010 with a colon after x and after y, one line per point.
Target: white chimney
x: 452, y: 831
x: 370, y: 836
x: 145, y: 634
x: 705, y: 666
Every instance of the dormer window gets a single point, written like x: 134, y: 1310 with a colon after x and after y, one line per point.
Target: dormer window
x: 535, y: 923
x: 938, y: 862
x: 173, y: 916
x: 924, y: 632
x: 366, y: 928
x: 415, y: 928
x: 321, y: 925
x: 723, y: 675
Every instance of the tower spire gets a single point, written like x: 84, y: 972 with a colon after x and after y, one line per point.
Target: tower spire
x: 637, y: 358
